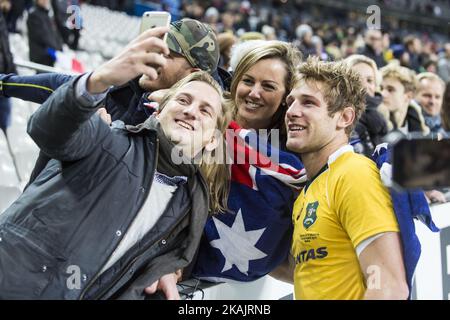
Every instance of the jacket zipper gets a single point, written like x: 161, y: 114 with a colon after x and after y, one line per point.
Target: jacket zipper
x: 88, y: 286
x: 137, y: 257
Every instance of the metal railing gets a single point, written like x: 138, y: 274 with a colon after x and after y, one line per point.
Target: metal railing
x: 40, y: 67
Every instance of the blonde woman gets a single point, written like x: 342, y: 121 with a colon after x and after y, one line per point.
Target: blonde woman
x: 262, y: 79
x: 371, y: 127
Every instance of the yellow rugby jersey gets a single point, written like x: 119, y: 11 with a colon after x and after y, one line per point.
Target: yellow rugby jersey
x: 343, y: 206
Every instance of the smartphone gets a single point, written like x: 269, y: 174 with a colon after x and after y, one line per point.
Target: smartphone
x: 153, y: 19
x: 421, y: 163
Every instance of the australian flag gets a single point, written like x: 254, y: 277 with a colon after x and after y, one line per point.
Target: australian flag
x: 254, y: 237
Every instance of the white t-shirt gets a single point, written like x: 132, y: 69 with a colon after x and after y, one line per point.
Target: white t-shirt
x: 162, y: 190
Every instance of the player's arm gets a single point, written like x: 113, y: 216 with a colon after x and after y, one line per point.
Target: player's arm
x: 382, y: 264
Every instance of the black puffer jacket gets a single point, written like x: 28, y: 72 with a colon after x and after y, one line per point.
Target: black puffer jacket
x: 372, y: 126
x: 73, y: 216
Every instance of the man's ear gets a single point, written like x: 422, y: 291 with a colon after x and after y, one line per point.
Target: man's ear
x: 346, y: 118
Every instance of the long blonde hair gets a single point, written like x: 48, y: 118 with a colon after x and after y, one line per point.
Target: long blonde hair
x: 216, y: 173
x: 355, y: 59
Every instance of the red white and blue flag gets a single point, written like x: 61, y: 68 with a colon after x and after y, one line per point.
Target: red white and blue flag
x: 255, y: 237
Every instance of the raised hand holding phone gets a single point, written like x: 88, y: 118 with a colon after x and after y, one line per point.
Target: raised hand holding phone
x: 144, y: 55
x: 155, y: 19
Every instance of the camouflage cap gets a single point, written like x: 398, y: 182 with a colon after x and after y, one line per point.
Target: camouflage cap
x: 196, y: 42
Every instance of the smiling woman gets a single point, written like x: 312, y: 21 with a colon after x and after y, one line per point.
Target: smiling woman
x: 263, y: 78
x: 260, y: 92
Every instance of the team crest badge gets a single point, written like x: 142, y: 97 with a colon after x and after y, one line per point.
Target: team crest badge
x: 311, y: 214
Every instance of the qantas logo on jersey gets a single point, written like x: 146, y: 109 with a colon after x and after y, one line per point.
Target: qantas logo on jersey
x: 306, y: 255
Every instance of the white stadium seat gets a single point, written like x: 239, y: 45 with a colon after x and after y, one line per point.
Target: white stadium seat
x: 7, y: 196
x: 8, y: 175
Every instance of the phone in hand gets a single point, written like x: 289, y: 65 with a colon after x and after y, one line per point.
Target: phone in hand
x: 153, y: 19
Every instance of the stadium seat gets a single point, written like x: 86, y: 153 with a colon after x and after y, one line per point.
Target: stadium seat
x: 8, y: 196
x: 25, y: 161
x: 24, y: 151
x: 8, y: 175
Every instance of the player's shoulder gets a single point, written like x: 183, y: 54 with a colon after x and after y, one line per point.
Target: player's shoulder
x: 354, y: 166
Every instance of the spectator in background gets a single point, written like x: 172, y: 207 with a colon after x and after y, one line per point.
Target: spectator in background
x: 332, y: 49
x: 348, y: 46
x: 226, y: 42
x: 17, y: 10
x: 444, y: 64
x: 69, y: 31
x: 429, y: 95
x: 193, y: 10
x: 414, y: 48
x: 402, y: 112
x: 430, y: 65
x: 43, y: 36
x: 371, y: 127
x: 373, y: 47
x: 399, y: 53
x: 228, y: 22
x: 304, y: 42
x: 397, y: 89
x: 320, y: 52
x: 212, y: 18
x: 6, y: 65
x: 59, y: 8
x: 269, y: 32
